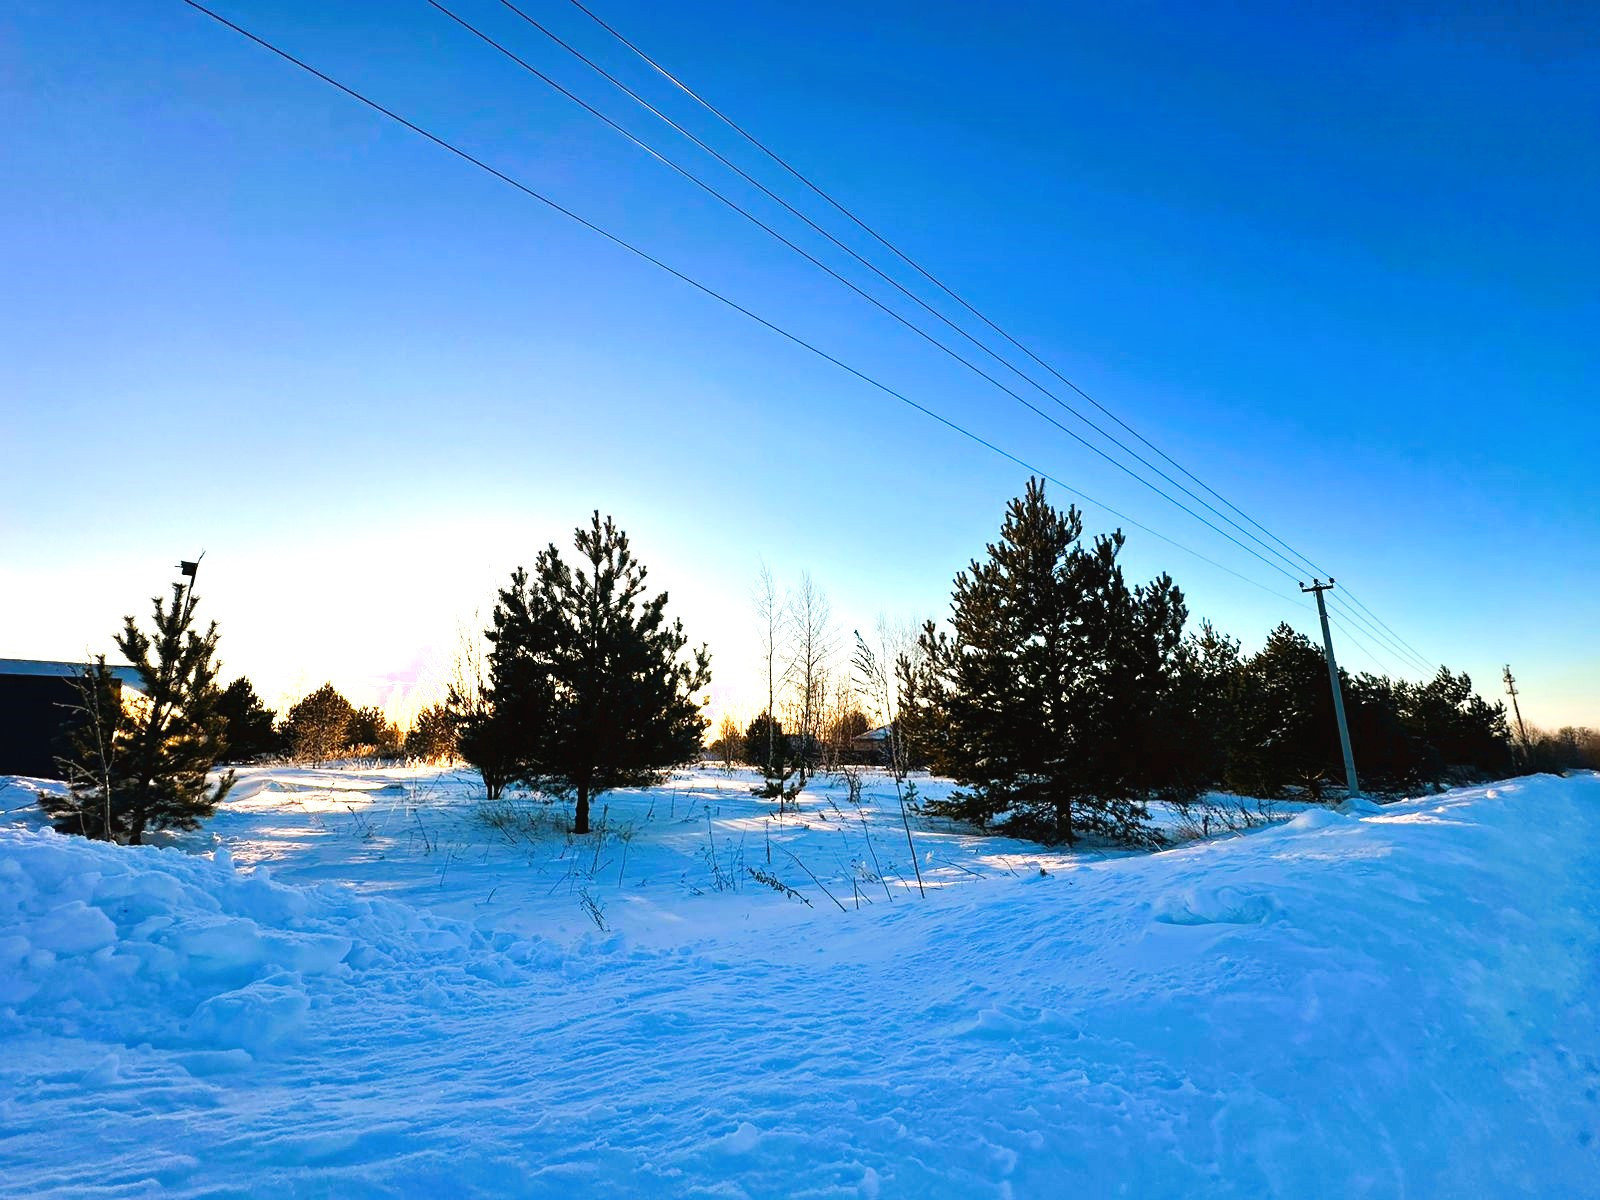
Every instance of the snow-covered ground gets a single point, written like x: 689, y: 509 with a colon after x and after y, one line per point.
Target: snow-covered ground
x: 357, y: 983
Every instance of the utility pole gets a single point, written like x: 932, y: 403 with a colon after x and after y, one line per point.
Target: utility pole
x: 1511, y: 690
x: 1333, y: 677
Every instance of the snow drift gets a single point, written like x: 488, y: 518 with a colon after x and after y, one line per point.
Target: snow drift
x: 1402, y: 1003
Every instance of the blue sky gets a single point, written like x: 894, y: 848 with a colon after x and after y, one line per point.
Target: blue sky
x: 1341, y: 265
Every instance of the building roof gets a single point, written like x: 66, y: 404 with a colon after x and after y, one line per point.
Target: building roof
x: 127, y: 676
x: 880, y: 734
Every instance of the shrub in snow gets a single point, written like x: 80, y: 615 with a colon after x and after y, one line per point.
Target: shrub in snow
x: 777, y: 753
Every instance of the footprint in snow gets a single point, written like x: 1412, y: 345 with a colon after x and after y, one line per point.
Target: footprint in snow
x: 742, y: 1140
x: 1225, y: 905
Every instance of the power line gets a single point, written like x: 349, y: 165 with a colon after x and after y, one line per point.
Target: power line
x: 871, y: 299
x: 817, y: 190
x: 1359, y: 644
x: 909, y: 261
x: 615, y: 239
x: 1422, y: 657
x: 705, y: 289
x: 1406, y: 659
x: 853, y: 253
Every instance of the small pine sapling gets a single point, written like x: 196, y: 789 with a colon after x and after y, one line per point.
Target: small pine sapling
x: 142, y: 765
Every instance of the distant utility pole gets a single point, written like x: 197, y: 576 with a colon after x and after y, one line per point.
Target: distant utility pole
x: 1511, y: 690
x: 1333, y: 677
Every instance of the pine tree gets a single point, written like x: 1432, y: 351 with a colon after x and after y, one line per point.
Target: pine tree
x: 1460, y: 728
x: 588, y: 685
x: 141, y: 766
x: 1392, y: 758
x: 318, y: 726
x: 248, y: 732
x: 1287, y: 732
x: 432, y: 736
x: 485, y: 735
x: 1049, y: 679
x: 1186, y: 749
x: 488, y: 737
x: 763, y: 742
x: 371, y: 733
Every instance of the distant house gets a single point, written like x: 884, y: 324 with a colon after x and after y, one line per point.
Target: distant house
x: 873, y: 745
x: 36, y: 698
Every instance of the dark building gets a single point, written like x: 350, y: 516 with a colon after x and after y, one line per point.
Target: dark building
x: 36, y: 699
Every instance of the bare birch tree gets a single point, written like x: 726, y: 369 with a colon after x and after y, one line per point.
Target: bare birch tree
x: 96, y: 718
x: 875, y: 665
x: 775, y: 622
x: 772, y: 619
x: 813, y: 649
x: 730, y: 741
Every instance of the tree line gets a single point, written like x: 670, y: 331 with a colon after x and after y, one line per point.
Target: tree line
x: 325, y: 727
x: 1065, y: 700
x: 1061, y: 699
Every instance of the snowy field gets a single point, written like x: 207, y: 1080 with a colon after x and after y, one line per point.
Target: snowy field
x: 365, y: 983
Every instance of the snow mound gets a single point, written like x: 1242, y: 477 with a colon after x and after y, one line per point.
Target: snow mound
x: 97, y: 939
